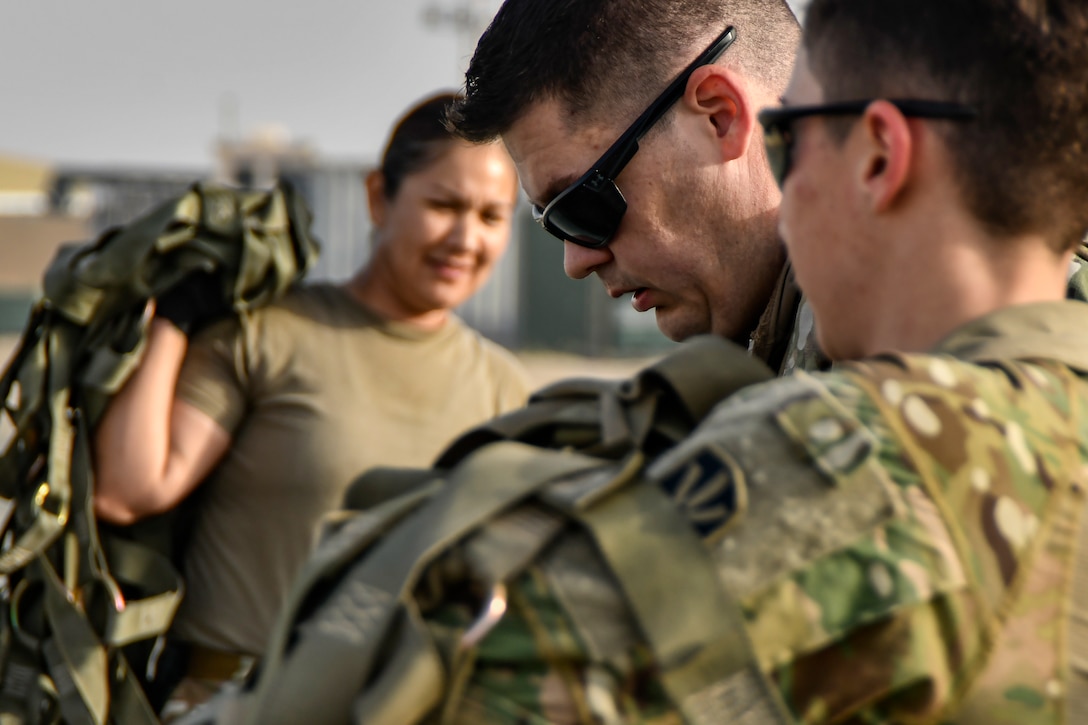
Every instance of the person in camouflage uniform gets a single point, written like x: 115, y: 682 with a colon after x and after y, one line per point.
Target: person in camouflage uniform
x: 696, y: 240
x: 901, y: 535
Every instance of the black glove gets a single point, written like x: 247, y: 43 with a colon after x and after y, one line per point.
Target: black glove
x: 194, y: 302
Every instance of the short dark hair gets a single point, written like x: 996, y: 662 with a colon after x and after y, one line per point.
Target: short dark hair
x: 417, y: 140
x: 1022, y: 165
x: 609, y: 58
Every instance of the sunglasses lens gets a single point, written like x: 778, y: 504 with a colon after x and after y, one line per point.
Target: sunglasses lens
x: 586, y: 215
x: 778, y: 152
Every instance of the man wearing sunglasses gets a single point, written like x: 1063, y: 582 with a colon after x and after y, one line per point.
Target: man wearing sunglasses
x: 633, y: 126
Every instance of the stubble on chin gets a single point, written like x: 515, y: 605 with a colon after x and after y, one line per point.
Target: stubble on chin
x: 675, y: 325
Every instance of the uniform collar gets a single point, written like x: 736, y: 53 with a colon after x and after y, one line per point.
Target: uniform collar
x: 1043, y: 330
x: 770, y: 340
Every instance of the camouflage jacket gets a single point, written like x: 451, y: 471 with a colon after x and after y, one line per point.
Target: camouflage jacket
x: 785, y: 337
x: 1077, y: 288
x: 899, y: 534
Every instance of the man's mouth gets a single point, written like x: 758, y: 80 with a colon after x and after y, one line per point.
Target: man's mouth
x: 641, y: 300
x: 641, y: 297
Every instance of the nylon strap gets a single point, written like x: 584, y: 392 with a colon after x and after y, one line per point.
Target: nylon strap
x: 381, y: 484
x: 129, y: 705
x: 162, y: 588
x: 337, y: 647
x: 410, y: 681
x: 77, y: 661
x: 496, y: 553
x: 30, y: 378
x: 696, y: 631
x: 575, y: 419
x: 510, y: 542
x: 610, y: 418
x: 47, y: 525
x: 332, y: 556
x: 709, y: 370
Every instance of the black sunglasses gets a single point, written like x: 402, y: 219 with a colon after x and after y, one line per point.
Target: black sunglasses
x: 778, y: 134
x: 589, y: 211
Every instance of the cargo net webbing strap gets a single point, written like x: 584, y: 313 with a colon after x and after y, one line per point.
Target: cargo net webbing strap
x: 83, y: 339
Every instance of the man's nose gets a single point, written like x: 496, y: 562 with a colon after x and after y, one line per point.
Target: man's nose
x: 580, y: 262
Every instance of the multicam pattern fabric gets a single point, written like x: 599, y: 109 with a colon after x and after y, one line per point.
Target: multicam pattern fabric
x: 785, y: 337
x: 898, y: 533
x: 1077, y: 287
x: 803, y: 352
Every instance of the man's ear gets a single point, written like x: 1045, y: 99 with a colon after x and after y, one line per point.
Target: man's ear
x: 722, y: 98
x: 375, y: 197
x: 885, y: 164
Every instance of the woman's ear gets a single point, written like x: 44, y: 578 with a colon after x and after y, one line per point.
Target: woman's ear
x: 885, y: 164
x: 376, y: 198
x: 721, y: 97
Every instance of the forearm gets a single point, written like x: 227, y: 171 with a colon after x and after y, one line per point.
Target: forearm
x: 133, y: 441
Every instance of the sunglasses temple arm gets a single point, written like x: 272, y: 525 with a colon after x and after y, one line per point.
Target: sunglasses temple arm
x: 620, y: 158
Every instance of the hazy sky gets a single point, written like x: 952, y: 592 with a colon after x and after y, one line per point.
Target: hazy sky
x: 149, y: 82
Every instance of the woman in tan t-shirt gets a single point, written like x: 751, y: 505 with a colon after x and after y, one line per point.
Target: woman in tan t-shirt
x: 275, y: 413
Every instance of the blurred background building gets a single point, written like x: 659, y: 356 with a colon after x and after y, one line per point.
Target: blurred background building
x: 30, y: 232
x: 528, y: 304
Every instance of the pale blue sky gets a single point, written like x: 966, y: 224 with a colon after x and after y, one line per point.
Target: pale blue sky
x: 149, y: 82
x: 144, y: 81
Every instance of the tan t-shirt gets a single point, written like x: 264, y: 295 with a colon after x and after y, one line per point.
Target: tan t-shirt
x: 314, y: 390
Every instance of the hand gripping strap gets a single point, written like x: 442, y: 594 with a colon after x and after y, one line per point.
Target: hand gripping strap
x: 337, y: 648
x: 694, y: 628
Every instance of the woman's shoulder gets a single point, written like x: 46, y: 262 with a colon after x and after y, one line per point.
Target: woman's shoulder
x: 305, y: 304
x: 503, y: 367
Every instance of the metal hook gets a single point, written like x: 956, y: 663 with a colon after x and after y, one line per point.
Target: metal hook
x: 489, y: 617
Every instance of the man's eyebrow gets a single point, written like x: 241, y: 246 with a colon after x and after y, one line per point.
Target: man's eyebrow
x: 557, y: 187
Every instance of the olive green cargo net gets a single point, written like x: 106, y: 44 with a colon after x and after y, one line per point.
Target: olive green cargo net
x: 350, y: 646
x: 73, y: 595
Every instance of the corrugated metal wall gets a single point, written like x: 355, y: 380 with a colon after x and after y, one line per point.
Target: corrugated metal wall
x: 341, y: 221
